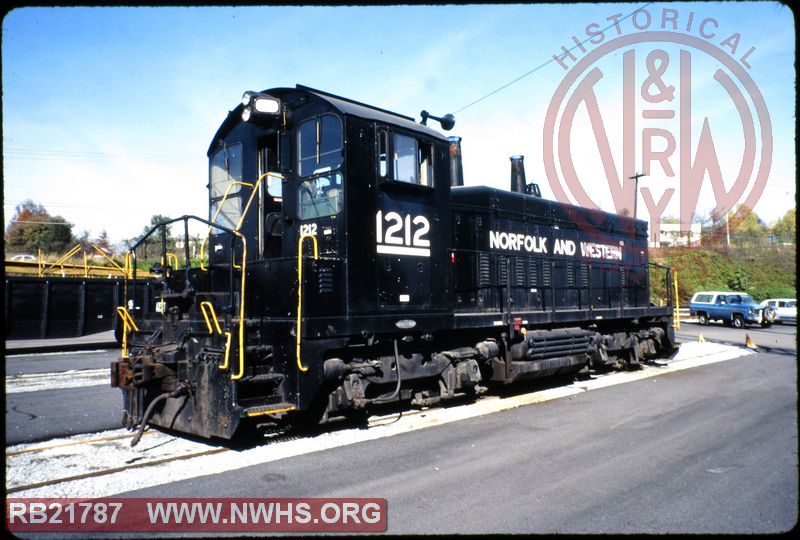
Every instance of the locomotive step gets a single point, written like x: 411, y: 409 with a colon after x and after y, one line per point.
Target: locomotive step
x: 268, y: 409
x: 266, y: 377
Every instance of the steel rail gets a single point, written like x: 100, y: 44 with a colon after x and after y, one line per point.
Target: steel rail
x: 114, y: 470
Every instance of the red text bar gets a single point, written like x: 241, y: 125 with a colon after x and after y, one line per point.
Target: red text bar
x: 234, y: 515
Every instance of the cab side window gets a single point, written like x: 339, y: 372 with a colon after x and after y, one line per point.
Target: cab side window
x: 319, y: 158
x: 411, y: 159
x: 405, y: 159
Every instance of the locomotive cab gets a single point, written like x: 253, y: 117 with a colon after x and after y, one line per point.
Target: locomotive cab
x: 358, y: 194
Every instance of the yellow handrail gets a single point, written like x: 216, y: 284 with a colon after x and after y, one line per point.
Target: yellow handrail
x: 203, y: 306
x: 60, y: 261
x: 242, y: 268
x: 241, y: 309
x: 126, y: 321
x: 214, y: 219
x: 169, y: 257
x: 677, y: 301
x: 129, y: 264
x: 253, y: 194
x: 244, y: 213
x: 109, y: 260
x: 300, y: 292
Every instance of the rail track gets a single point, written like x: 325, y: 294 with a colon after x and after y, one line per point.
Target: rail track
x: 90, y: 456
x: 80, y: 458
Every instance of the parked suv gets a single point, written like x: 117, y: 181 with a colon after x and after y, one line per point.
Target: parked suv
x: 736, y: 309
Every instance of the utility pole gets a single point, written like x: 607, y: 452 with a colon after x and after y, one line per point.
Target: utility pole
x: 716, y: 216
x: 636, y: 190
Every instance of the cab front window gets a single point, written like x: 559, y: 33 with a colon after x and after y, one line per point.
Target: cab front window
x: 224, y: 175
x: 320, y: 196
x: 319, y: 145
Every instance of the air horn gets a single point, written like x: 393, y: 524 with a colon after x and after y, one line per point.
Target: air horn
x: 447, y: 121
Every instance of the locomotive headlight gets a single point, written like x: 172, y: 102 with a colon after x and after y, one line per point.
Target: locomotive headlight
x: 257, y: 103
x: 267, y: 105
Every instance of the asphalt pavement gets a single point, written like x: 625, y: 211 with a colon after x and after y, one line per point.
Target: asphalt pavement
x: 61, y: 410
x: 103, y: 340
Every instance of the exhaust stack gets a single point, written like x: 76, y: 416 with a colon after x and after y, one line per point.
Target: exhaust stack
x: 456, y: 167
x: 518, y: 183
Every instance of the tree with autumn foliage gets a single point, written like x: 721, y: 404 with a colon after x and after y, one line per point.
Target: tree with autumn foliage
x: 32, y: 229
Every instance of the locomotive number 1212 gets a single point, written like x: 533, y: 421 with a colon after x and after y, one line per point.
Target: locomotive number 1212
x: 402, y: 235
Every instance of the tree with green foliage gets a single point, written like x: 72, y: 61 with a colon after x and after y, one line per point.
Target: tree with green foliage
x: 151, y: 247
x: 751, y: 227
x: 85, y: 241
x: 785, y: 230
x: 32, y: 229
x: 740, y: 280
x: 155, y: 220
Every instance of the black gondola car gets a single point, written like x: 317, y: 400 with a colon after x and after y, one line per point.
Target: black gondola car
x: 347, y: 267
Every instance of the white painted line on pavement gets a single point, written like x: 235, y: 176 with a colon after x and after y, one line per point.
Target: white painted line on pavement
x: 36, y: 382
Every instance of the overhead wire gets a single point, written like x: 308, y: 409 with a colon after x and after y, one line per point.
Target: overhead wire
x: 616, y: 22
x: 97, y: 157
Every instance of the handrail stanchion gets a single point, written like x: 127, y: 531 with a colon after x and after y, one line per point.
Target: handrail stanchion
x: 677, y: 300
x: 241, y: 305
x: 300, y: 293
x: 203, y: 306
x: 127, y: 322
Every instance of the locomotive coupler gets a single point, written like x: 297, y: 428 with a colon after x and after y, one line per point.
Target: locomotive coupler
x: 144, y: 370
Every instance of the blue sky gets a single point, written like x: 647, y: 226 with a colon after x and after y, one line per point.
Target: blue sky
x: 108, y: 112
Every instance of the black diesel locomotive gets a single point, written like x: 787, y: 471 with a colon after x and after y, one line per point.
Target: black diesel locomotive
x: 348, y: 267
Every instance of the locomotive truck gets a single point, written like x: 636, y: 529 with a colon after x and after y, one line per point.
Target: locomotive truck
x: 347, y: 266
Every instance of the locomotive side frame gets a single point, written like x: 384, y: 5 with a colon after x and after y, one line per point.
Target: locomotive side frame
x: 345, y: 271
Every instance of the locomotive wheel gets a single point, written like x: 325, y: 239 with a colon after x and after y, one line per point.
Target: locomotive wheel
x: 702, y: 318
x: 738, y: 321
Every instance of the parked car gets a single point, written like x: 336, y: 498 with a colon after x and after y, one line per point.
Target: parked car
x: 785, y: 309
x: 732, y: 308
x: 24, y: 258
